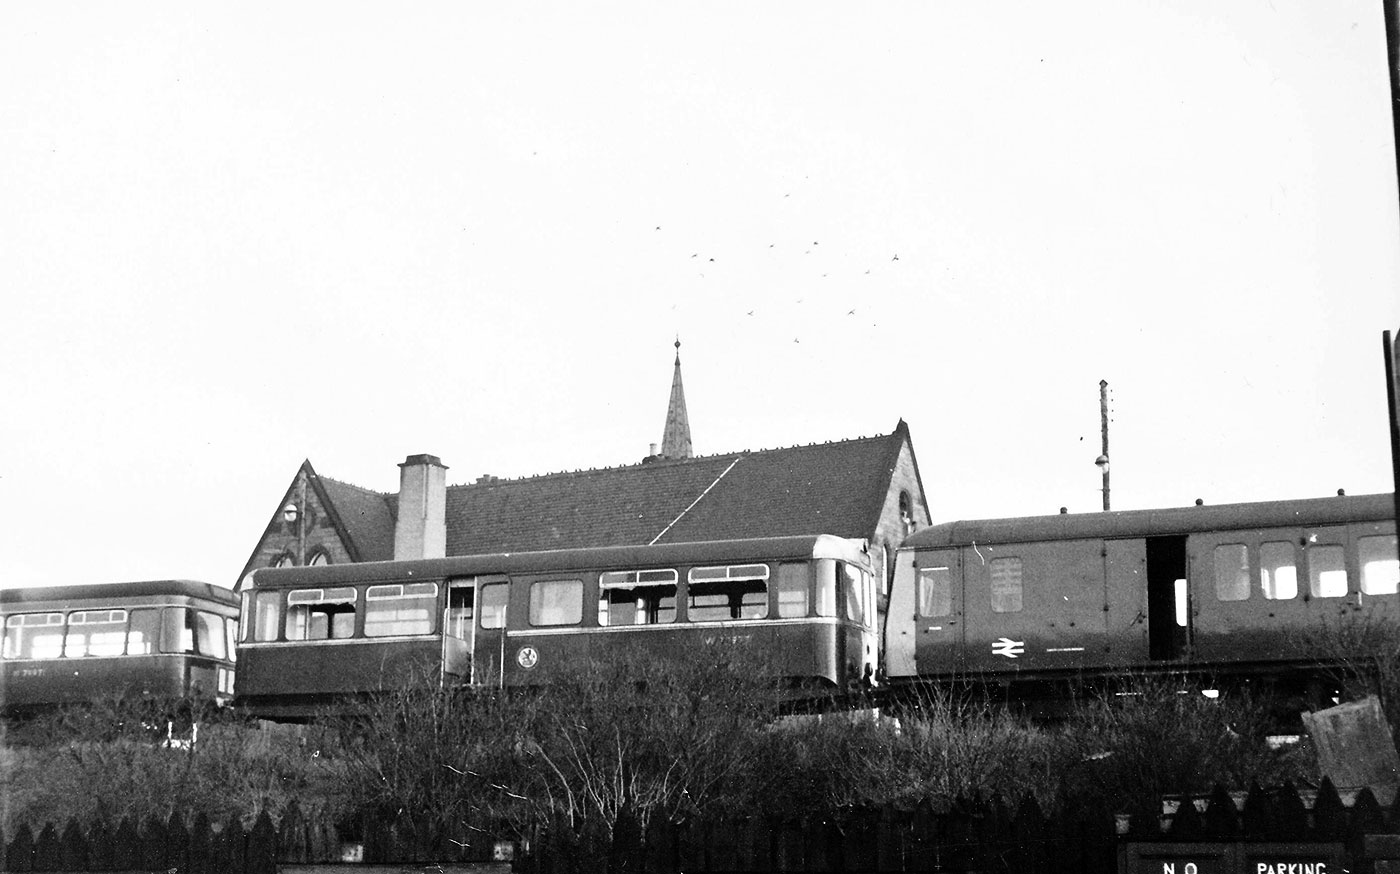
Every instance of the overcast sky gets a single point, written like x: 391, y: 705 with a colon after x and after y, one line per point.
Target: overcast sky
x: 233, y: 237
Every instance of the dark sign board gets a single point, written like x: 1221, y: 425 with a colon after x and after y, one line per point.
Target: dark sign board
x: 1218, y: 858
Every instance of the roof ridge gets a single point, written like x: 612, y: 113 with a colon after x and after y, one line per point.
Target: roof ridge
x: 351, y: 485
x: 488, y: 480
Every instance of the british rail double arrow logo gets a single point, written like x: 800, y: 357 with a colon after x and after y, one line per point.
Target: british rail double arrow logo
x: 1005, y: 646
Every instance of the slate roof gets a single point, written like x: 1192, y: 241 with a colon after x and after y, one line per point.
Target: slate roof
x: 365, y: 516
x: 828, y: 488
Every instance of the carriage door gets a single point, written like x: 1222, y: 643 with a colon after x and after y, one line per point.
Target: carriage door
x: 489, y: 638
x: 938, y: 612
x: 458, y: 631
x: 1168, y: 599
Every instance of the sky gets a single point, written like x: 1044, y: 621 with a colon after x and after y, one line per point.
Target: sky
x: 237, y: 236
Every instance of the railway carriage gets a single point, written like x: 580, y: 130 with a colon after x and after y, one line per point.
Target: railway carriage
x: 1226, y: 590
x: 313, y: 635
x: 71, y: 644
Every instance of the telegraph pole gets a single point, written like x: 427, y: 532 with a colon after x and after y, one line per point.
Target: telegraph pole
x: 1102, y: 460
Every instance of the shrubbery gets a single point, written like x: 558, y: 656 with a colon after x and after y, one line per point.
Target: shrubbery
x: 617, y: 744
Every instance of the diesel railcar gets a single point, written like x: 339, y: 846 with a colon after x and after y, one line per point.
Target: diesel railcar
x: 314, y: 635
x: 1215, y: 590
x: 72, y: 644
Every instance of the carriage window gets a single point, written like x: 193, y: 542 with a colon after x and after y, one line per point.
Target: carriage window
x: 556, y: 602
x: 400, y: 608
x: 826, y: 587
x: 266, y: 606
x: 460, y: 604
x: 493, y: 605
x: 95, y: 633
x: 143, y: 631
x: 321, y: 614
x: 738, y: 591
x: 1231, y: 572
x: 935, y: 592
x: 1278, y: 571
x: 637, y: 597
x: 34, y: 636
x: 1006, y: 585
x: 1327, y: 571
x: 1380, y: 570
x: 792, y: 590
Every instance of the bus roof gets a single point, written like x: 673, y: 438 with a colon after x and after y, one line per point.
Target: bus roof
x: 601, y: 558
x: 97, y: 592
x: 1150, y: 523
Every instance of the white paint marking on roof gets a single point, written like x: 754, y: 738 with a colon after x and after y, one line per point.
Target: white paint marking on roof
x: 697, y: 500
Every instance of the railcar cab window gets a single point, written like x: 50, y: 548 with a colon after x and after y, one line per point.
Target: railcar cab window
x: 194, y: 631
x: 935, y: 592
x: 321, y: 614
x: 1380, y: 570
x: 1327, y: 571
x: 1231, y: 572
x: 1006, y: 585
x: 736, y: 591
x: 793, y: 583
x: 267, y: 606
x: 556, y: 602
x: 842, y: 586
x: 397, y: 609
x: 642, y: 597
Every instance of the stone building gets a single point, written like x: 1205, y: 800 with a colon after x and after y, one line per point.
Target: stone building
x: 867, y: 487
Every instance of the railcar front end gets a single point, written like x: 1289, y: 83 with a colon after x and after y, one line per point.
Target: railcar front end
x: 74, y: 644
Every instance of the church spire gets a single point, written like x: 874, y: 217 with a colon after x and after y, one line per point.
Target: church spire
x: 675, y: 441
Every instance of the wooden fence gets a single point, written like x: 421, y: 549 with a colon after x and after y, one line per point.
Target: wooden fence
x: 984, y: 836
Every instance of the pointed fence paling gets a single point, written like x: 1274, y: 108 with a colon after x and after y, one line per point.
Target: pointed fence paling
x: 984, y: 836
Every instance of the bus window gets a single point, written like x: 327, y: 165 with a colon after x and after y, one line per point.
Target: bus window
x: 143, y: 631
x: 34, y: 636
x: 1231, y: 572
x: 792, y: 590
x: 266, y: 607
x: 1327, y: 571
x: 1380, y: 571
x: 399, y: 609
x: 1278, y: 571
x: 493, y: 604
x: 95, y: 633
x: 727, y: 592
x: 321, y: 614
x: 637, y: 597
x: 556, y: 602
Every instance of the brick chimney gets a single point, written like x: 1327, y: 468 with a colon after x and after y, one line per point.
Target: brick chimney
x: 421, y: 529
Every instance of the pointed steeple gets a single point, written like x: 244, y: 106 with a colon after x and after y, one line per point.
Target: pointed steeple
x: 675, y: 441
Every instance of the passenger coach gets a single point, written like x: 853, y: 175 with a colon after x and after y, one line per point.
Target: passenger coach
x: 313, y: 635
x: 1231, y: 589
x: 70, y: 644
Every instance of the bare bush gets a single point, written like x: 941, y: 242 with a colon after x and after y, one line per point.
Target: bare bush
x: 115, y: 759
